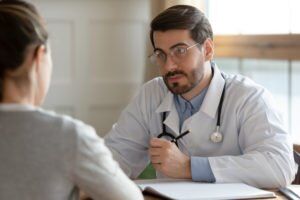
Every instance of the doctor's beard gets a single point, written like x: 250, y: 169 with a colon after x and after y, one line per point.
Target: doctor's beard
x: 193, y: 79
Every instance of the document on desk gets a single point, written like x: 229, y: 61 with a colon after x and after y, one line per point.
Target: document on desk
x: 188, y: 190
x: 291, y: 191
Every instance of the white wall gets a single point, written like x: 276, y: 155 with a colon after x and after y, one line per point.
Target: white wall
x: 99, y: 55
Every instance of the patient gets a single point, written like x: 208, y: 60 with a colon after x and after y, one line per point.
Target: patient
x: 44, y: 155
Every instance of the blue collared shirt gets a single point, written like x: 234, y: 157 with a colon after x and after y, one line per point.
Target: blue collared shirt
x: 186, y: 109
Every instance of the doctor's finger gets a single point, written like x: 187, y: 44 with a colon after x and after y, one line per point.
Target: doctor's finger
x: 155, y: 151
x: 155, y: 160
x: 157, y: 142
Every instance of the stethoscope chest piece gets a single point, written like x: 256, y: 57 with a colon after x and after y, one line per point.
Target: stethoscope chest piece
x: 216, y: 136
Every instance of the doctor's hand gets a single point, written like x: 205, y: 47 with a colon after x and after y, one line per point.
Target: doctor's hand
x: 168, y: 159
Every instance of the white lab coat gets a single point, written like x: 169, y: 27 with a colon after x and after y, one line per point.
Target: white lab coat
x: 256, y: 148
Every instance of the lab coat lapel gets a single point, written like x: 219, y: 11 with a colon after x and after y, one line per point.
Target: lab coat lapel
x: 172, y: 120
x: 212, y: 98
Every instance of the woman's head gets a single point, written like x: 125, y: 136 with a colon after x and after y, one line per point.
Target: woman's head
x: 24, y: 58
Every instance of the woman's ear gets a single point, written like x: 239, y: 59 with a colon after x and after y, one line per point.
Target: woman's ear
x: 208, y: 46
x: 40, y: 56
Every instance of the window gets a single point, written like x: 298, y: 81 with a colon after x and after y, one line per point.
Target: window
x: 254, y: 16
x: 261, y: 40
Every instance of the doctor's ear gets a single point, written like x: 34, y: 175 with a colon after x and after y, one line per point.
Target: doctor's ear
x: 208, y: 47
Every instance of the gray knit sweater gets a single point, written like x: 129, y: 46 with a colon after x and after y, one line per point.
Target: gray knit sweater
x: 47, y: 156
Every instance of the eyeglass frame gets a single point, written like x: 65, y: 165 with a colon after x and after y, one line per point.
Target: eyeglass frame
x: 154, y: 57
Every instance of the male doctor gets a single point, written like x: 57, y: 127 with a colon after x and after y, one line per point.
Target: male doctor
x: 232, y: 129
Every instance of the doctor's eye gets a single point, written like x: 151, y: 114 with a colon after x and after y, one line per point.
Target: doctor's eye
x: 179, y: 52
x: 158, y: 57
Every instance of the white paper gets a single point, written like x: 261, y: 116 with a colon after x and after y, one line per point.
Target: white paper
x: 294, y: 188
x: 184, y: 189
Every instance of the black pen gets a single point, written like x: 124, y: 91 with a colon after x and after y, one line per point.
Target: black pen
x: 180, y: 136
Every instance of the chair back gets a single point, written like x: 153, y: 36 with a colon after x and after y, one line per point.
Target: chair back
x: 297, y: 160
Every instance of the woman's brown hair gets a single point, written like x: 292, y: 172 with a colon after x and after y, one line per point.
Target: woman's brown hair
x: 21, y: 26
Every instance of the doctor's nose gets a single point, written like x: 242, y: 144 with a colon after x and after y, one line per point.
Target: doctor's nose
x: 169, y: 64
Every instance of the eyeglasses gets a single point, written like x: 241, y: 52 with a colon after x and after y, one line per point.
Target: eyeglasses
x: 177, y: 53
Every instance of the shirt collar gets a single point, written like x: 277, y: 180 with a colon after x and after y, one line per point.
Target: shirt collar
x: 16, y: 107
x: 195, y: 102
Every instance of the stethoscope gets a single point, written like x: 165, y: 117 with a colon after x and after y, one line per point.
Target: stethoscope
x: 170, y: 136
x: 215, y: 137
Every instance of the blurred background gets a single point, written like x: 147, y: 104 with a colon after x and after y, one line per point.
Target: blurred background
x: 100, y: 52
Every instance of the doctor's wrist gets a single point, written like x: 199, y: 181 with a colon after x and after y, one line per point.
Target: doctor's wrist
x: 188, y: 170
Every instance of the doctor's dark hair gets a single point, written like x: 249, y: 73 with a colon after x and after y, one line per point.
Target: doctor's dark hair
x: 21, y: 26
x: 183, y: 17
